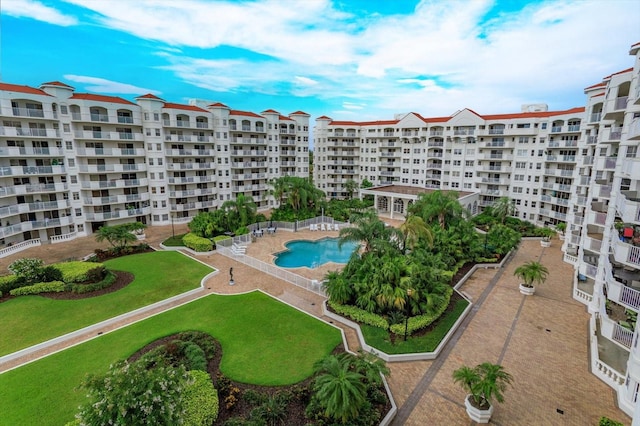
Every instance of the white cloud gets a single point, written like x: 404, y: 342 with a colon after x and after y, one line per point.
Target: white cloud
x: 442, y: 57
x: 101, y: 85
x: 33, y: 9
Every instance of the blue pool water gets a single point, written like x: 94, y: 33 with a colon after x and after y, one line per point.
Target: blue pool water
x: 314, y: 253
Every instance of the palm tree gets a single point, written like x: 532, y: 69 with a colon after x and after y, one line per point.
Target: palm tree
x: 338, y: 289
x: 438, y: 205
x: 338, y: 389
x: 415, y: 229
x: 484, y: 383
x: 371, y: 367
x: 244, y: 207
x: 504, y: 207
x: 350, y: 186
x: 532, y: 273
x: 367, y: 228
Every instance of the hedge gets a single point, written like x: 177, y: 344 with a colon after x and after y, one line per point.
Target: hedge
x: 421, y: 321
x: 53, y: 286
x: 360, y: 315
x: 200, y: 400
x: 80, y: 272
x: 197, y: 243
x: 109, y: 279
x: 9, y: 282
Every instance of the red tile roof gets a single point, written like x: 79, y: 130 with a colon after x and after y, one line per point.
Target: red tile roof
x: 170, y: 105
x: 602, y: 84
x: 539, y: 114
x: 598, y: 94
x: 271, y: 111
x: 622, y: 72
x: 101, y: 98
x: 21, y: 89
x: 245, y: 113
x: 56, y: 83
x: 282, y: 117
x: 149, y: 96
x: 218, y: 104
x: 299, y: 113
x: 323, y: 117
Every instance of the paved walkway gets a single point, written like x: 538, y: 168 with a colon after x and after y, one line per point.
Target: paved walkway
x: 541, y: 340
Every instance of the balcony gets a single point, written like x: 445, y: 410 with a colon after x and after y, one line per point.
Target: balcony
x: 561, y: 158
x: 28, y: 132
x: 496, y: 131
x: 625, y: 253
x: 116, y: 136
x: 247, y: 176
x: 190, y: 166
x: 592, y: 140
x: 556, y: 187
x: 97, y: 168
x: 190, y: 179
x: 98, y: 118
x: 435, y: 144
x: 116, y: 199
x: 595, y: 117
x: 558, y: 172
x: 33, y: 189
x: 114, y: 183
x: 31, y: 112
x: 247, y: 141
x: 191, y: 192
x: 14, y: 151
x: 634, y: 129
x: 251, y: 152
x: 115, y: 152
x: 434, y: 165
x: 31, y: 170
x: 34, y: 225
x: 628, y: 207
x: 118, y: 214
x: 558, y: 144
x: 494, y: 169
x: 192, y: 206
x: 32, y: 207
x: 556, y: 129
x: 190, y: 152
x: 242, y: 165
x: 188, y: 138
x: 614, y: 108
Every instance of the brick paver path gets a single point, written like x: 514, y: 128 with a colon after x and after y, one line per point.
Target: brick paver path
x: 541, y: 340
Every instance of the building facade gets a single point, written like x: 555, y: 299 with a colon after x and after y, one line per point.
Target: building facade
x: 72, y: 162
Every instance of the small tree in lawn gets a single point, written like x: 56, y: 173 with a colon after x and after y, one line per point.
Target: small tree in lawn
x: 131, y: 394
x: 118, y: 236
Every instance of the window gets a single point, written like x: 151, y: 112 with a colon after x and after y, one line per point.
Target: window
x: 68, y: 145
x: 66, y: 128
x: 521, y: 165
x: 76, y: 196
x: 72, y: 162
x: 74, y: 179
x: 64, y: 110
x: 468, y: 163
x: 78, y: 212
x: 157, y: 132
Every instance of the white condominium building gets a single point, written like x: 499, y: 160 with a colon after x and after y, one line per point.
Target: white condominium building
x: 530, y: 156
x: 72, y: 162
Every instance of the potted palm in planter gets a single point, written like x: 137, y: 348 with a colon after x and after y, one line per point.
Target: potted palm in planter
x: 546, y: 234
x: 561, y: 228
x: 484, y: 383
x: 531, y: 273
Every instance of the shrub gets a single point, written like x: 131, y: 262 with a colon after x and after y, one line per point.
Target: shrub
x: 204, y: 340
x: 421, y: 321
x: 9, y: 282
x: 53, y: 286
x: 108, y: 280
x: 221, y: 238
x: 360, y: 315
x: 50, y: 273
x: 605, y: 421
x: 27, y: 269
x: 80, y: 272
x: 197, y: 243
x: 200, y: 400
x: 194, y: 357
x: 242, y: 230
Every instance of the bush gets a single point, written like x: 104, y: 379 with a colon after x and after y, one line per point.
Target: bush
x: 27, y: 269
x: 53, y: 286
x: 203, y: 340
x: 197, y: 243
x: 194, y: 357
x: 80, y: 272
x: 9, y: 282
x: 200, y: 400
x: 242, y: 230
x: 360, y: 315
x: 421, y: 321
x: 605, y: 421
x: 108, y: 280
x: 50, y: 273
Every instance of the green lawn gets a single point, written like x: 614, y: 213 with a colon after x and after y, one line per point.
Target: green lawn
x: 28, y: 320
x: 264, y: 342
x: 379, y: 338
x: 174, y: 241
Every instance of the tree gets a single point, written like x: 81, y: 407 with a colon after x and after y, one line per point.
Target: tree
x: 532, y: 273
x: 130, y: 394
x: 119, y: 236
x: 484, y: 383
x: 370, y: 230
x: 350, y: 186
x: 415, y: 229
x: 338, y: 289
x: 502, y: 238
x: 240, y: 212
x: 338, y: 389
x: 503, y: 207
x: 439, y: 206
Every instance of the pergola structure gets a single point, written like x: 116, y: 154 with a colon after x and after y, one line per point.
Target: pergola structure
x: 394, y: 200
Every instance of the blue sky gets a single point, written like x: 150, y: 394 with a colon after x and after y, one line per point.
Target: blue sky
x: 348, y: 59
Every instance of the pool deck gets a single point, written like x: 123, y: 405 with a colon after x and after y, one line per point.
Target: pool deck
x: 541, y: 340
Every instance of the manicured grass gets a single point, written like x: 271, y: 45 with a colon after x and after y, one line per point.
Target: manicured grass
x: 263, y: 341
x: 28, y: 320
x: 174, y: 241
x: 379, y: 338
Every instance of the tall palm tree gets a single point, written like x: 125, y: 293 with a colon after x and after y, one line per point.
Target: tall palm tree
x: 439, y: 206
x: 532, y: 273
x: 415, y: 229
x: 339, y: 389
x: 244, y: 207
x: 350, y: 186
x: 503, y: 207
x: 367, y: 228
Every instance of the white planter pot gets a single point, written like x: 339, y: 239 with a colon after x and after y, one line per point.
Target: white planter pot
x: 544, y: 243
x: 527, y: 291
x: 476, y: 414
x: 561, y: 237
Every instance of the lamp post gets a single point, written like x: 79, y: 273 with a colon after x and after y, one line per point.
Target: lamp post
x: 407, y: 313
x: 173, y: 231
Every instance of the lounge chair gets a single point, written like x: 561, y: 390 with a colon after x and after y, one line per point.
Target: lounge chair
x: 322, y: 227
x: 336, y: 227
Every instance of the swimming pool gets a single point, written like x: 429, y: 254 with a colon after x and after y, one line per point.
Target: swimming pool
x: 314, y: 253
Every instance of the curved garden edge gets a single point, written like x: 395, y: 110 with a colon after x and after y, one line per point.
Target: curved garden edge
x: 187, y: 249
x: 420, y: 356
